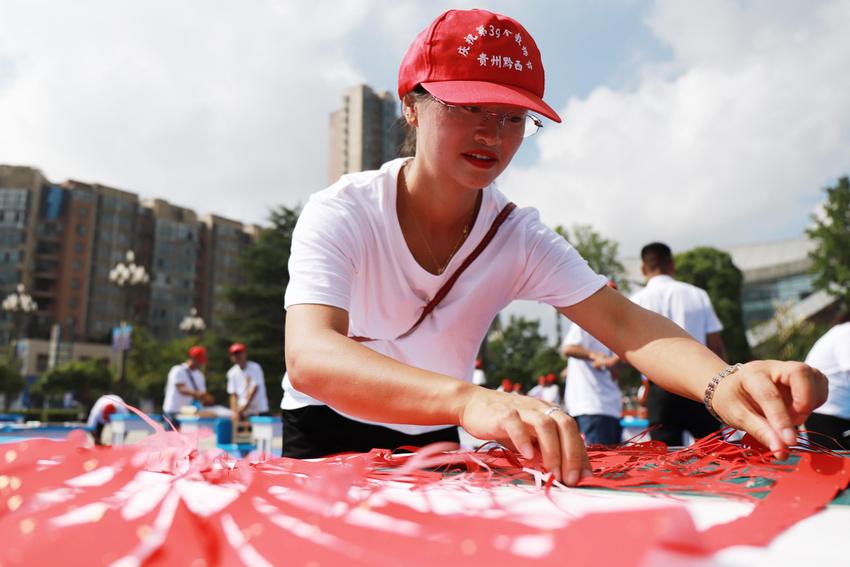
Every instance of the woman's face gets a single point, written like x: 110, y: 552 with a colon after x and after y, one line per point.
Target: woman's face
x: 471, y: 148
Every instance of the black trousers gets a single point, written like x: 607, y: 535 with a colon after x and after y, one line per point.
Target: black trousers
x: 833, y: 427
x: 676, y: 415
x: 319, y: 431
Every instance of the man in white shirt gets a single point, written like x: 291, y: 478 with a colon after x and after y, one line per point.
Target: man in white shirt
x: 689, y: 307
x: 186, y: 384
x: 246, y: 385
x: 101, y: 413
x: 592, y: 395
x: 831, y: 355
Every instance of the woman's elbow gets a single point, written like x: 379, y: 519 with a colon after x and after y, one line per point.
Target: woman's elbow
x: 298, y: 366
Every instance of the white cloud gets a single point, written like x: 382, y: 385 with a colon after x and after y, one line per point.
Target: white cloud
x: 728, y: 143
x: 217, y: 105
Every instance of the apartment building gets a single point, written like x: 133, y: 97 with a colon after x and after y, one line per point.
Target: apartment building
x: 364, y: 132
x: 62, y: 240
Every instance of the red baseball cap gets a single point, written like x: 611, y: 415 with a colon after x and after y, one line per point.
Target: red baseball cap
x: 108, y: 410
x: 236, y: 347
x: 198, y: 353
x: 476, y: 57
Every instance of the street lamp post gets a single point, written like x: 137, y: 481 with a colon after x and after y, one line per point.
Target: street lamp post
x: 18, y: 304
x: 193, y: 324
x: 127, y: 275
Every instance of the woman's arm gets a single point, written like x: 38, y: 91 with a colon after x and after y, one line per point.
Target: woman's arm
x: 597, y: 359
x: 324, y: 363
x: 765, y: 398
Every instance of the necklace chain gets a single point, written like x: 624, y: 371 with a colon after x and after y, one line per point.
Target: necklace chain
x: 440, y: 267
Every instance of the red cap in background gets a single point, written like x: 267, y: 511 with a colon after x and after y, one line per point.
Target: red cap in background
x: 198, y: 354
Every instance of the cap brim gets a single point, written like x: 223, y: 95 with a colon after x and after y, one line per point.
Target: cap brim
x: 482, y: 92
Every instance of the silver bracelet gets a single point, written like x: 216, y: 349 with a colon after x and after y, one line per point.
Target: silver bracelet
x: 709, y: 390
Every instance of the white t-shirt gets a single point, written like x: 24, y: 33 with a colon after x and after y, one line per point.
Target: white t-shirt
x: 478, y: 377
x: 179, y: 374
x: 238, y: 382
x: 831, y: 355
x: 686, y: 305
x: 551, y: 394
x: 589, y: 390
x: 96, y: 413
x: 536, y: 392
x: 348, y: 251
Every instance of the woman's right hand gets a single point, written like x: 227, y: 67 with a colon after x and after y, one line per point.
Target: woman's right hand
x: 528, y: 425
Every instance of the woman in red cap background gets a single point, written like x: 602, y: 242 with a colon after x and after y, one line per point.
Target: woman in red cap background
x: 396, y: 275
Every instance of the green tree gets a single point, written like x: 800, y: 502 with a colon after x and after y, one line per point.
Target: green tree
x: 600, y: 252
x: 259, y: 319
x: 793, y: 339
x: 713, y: 270
x: 11, y: 381
x: 518, y: 351
x: 87, y: 379
x: 831, y: 235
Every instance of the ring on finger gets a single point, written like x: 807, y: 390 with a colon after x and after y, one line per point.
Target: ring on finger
x: 551, y: 410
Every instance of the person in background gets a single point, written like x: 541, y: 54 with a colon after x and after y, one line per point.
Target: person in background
x: 690, y: 308
x: 101, y: 413
x: 506, y: 386
x: 552, y: 391
x: 592, y: 395
x: 478, y: 376
x: 186, y: 385
x: 517, y: 388
x: 831, y: 355
x: 537, y: 390
x: 246, y: 385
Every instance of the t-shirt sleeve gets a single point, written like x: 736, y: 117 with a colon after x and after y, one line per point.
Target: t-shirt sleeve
x: 324, y: 254
x: 554, y: 272
x: 180, y: 376
x: 231, y: 383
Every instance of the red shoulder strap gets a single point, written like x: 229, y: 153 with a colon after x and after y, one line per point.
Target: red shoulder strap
x: 447, y: 287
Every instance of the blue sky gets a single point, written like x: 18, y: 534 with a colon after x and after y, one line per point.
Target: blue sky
x: 686, y: 121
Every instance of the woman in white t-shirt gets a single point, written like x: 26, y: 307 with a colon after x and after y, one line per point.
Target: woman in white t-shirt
x: 371, y: 251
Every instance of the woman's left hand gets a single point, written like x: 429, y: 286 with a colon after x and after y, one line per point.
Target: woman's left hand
x: 769, y: 398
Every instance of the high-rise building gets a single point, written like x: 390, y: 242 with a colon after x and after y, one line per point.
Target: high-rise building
x: 20, y: 196
x: 222, y: 243
x: 174, y: 266
x: 61, y: 242
x: 103, y: 224
x: 364, y: 132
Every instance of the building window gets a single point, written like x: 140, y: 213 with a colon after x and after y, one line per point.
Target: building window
x: 41, y: 363
x: 81, y: 229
